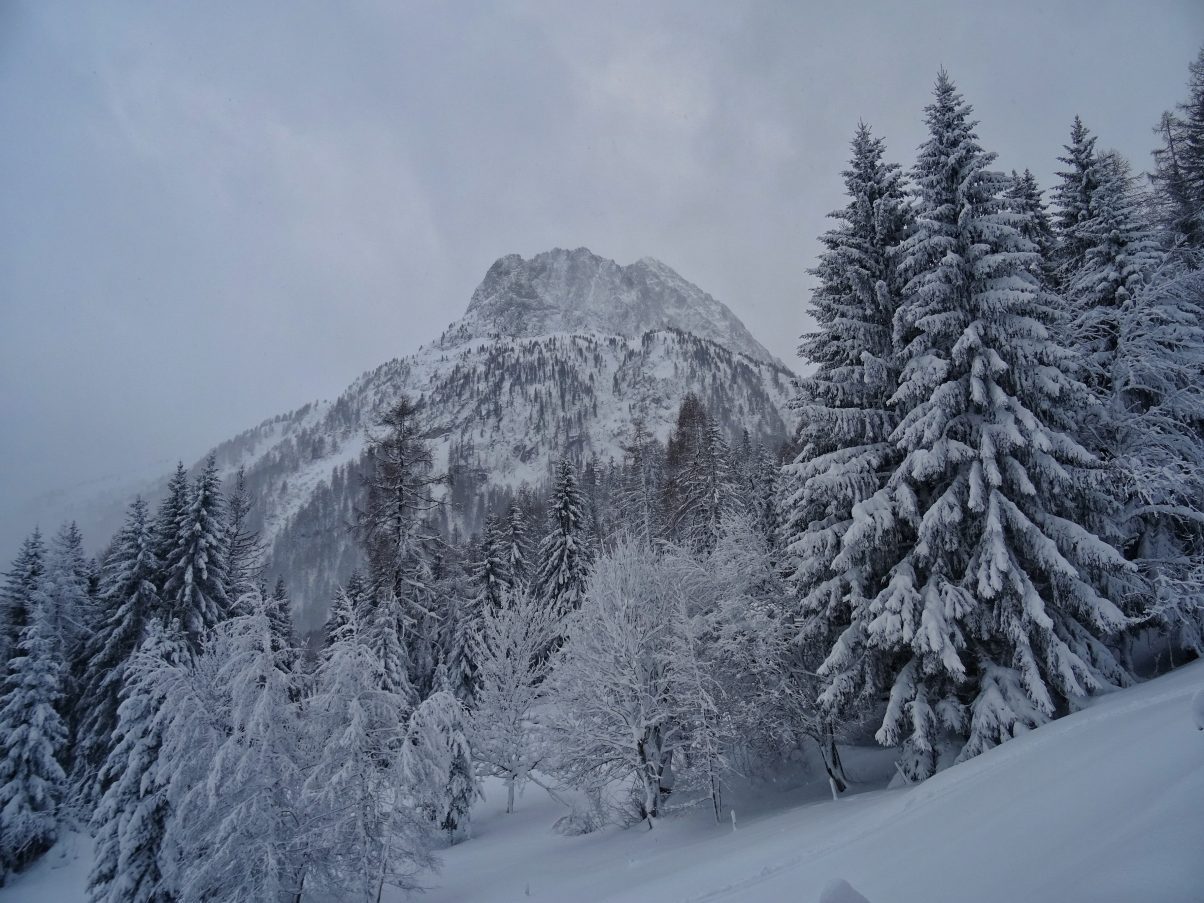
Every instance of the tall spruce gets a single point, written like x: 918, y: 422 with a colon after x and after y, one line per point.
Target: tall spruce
x: 129, y: 600
x: 32, y: 781
x: 844, y: 407
x: 25, y: 578
x: 1178, y: 175
x: 195, y: 592
x: 993, y: 616
x: 1073, y: 197
x: 244, y: 549
x: 563, y: 557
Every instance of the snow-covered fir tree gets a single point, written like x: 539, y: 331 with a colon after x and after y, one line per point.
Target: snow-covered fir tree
x: 1179, y: 169
x: 845, y: 412
x: 24, y: 581
x: 238, y: 834
x: 128, y: 601
x: 196, y: 589
x: 1119, y: 254
x: 492, y: 574
x: 244, y: 550
x: 1034, y: 224
x: 131, y: 818
x: 32, y: 781
x: 639, y: 506
x: 437, y: 759
x: 1072, y: 196
x: 68, y: 575
x: 518, y: 545
x: 995, y: 614
x: 167, y: 517
x: 563, y: 556
x: 365, y: 836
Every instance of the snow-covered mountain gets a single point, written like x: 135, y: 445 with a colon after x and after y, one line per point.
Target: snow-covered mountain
x: 555, y: 355
x: 580, y: 292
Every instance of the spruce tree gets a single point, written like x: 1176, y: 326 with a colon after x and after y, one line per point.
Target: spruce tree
x: 244, y: 550
x: 844, y: 407
x: 167, y: 518
x: 1073, y: 199
x: 1034, y: 224
x: 563, y: 559
x: 492, y: 572
x: 992, y: 617
x: 131, y: 819
x: 1179, y: 170
x: 518, y: 555
x: 23, y: 580
x: 129, y: 600
x: 195, y: 590
x: 32, y: 781
x: 1119, y: 254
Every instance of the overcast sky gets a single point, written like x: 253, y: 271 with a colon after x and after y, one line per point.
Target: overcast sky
x: 214, y: 212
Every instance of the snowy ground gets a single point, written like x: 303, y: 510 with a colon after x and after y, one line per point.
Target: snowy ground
x: 1105, y: 806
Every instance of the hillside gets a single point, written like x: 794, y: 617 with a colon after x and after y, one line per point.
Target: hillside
x: 1103, y: 806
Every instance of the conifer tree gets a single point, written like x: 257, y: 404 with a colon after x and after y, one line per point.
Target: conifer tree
x: 1034, y: 224
x: 518, y: 556
x: 365, y: 834
x: 129, y: 601
x: 563, y: 561
x: 641, y: 485
x: 1073, y: 199
x: 237, y: 834
x: 195, y: 590
x: 244, y: 550
x: 24, y: 579
x: 1179, y: 169
x: 844, y: 407
x: 492, y: 573
x: 1119, y: 253
x: 68, y: 575
x: 131, y: 818
x: 167, y: 518
x: 437, y: 759
x: 994, y: 615
x: 280, y: 615
x: 32, y: 781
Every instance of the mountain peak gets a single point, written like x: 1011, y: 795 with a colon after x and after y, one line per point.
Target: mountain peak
x: 577, y: 291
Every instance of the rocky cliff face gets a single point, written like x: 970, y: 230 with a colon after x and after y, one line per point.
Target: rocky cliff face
x: 580, y: 292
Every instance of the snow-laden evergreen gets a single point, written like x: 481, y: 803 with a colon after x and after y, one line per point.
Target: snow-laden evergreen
x: 1073, y: 195
x: 238, y: 834
x: 1119, y: 254
x: 563, y: 556
x: 438, y: 764
x: 32, y: 781
x: 128, y: 601
x: 196, y: 589
x: 845, y: 411
x: 996, y: 614
x: 355, y: 791
x: 24, y: 582
x: 1179, y: 169
x: 132, y: 816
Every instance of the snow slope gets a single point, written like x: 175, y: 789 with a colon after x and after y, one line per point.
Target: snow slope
x: 1104, y: 806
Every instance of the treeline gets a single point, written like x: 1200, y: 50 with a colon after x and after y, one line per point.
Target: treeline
x: 996, y: 490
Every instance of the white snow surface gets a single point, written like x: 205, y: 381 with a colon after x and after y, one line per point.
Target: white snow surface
x: 1103, y: 806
